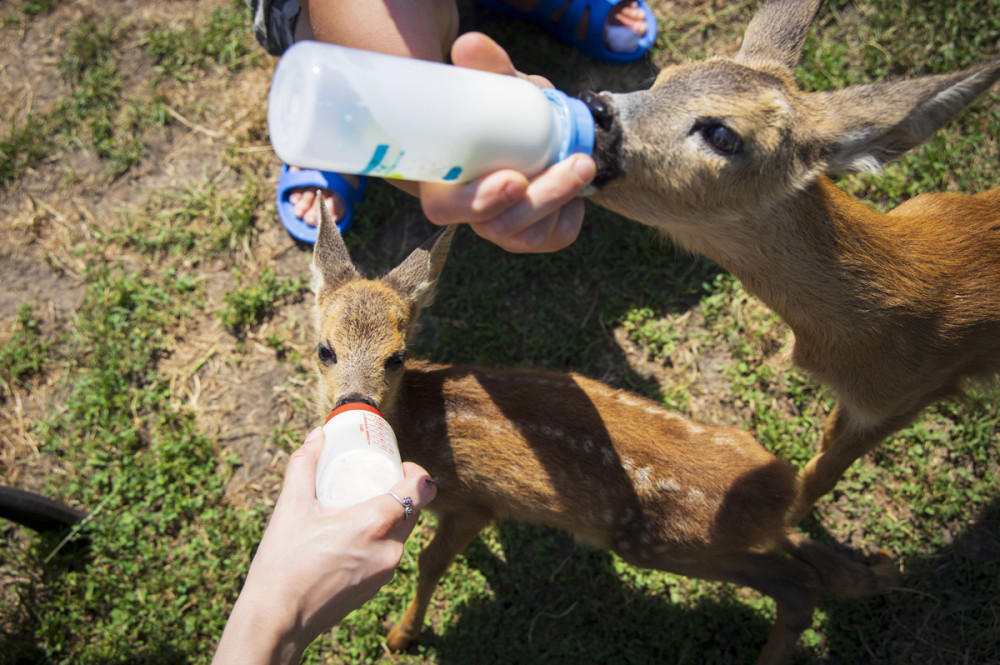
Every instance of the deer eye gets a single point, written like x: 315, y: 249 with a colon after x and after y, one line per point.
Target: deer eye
x: 720, y: 137
x: 327, y: 356
x: 395, y: 361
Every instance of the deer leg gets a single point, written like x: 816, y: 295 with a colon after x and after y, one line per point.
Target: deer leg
x: 454, y: 533
x: 841, y: 576
x: 795, y: 588
x: 844, y: 441
x: 795, y: 584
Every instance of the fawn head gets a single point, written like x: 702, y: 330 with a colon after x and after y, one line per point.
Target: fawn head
x: 722, y: 140
x: 363, y: 325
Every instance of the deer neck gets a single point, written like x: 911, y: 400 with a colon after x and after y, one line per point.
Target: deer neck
x: 817, y: 260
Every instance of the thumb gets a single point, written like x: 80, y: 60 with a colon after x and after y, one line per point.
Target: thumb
x: 300, y: 475
x: 477, y: 51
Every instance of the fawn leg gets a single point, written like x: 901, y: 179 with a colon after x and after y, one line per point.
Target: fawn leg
x: 841, y: 576
x: 793, y: 584
x: 794, y: 587
x: 454, y: 533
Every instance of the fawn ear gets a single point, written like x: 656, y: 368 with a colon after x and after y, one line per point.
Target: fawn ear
x: 776, y: 34
x: 331, y: 264
x: 867, y: 125
x: 417, y: 276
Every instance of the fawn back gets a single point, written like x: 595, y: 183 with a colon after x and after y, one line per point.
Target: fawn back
x: 557, y: 449
x: 728, y: 157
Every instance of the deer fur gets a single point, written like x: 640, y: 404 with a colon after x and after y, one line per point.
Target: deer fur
x: 550, y: 448
x: 728, y: 158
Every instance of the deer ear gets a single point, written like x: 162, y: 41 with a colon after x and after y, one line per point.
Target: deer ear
x: 865, y: 126
x: 331, y: 264
x: 776, y: 34
x: 417, y: 276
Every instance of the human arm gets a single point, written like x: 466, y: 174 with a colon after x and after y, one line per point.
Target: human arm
x: 314, y: 565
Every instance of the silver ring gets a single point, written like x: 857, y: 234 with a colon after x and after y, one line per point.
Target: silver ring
x: 406, y: 503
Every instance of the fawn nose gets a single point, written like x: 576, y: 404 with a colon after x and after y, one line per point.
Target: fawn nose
x: 607, y: 136
x: 356, y: 397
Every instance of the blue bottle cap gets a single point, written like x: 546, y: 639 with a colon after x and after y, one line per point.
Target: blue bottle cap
x: 577, y: 121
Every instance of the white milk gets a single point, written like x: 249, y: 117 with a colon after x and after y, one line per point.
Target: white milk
x: 345, y: 110
x: 360, y: 458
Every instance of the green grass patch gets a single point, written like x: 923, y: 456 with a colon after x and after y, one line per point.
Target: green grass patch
x: 26, y: 353
x: 258, y: 301
x: 219, y: 41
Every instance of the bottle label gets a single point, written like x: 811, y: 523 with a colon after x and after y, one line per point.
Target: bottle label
x: 384, y: 161
x: 378, y: 433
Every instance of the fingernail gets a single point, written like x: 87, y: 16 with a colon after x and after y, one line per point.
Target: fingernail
x: 513, y: 190
x: 314, y: 435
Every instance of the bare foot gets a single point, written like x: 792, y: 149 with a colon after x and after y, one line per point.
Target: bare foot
x: 304, y: 199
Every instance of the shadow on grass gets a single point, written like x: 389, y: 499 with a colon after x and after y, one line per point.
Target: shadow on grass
x: 946, y: 603
x: 556, y: 602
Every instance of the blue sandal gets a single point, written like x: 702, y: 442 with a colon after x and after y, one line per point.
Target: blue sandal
x: 289, y: 180
x: 565, y: 28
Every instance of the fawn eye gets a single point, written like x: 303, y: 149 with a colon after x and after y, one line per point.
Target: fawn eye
x: 720, y: 137
x: 326, y: 354
x: 395, y: 361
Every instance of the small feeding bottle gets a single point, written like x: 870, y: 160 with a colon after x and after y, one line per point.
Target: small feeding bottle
x: 346, y: 110
x: 360, y: 458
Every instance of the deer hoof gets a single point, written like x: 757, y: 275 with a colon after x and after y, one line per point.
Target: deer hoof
x: 399, y: 639
x: 883, y: 563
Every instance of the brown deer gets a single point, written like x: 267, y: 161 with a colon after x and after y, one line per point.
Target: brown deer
x: 727, y: 157
x: 542, y: 447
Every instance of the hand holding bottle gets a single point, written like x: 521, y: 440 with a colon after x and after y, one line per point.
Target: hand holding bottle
x: 539, y: 214
x: 314, y: 565
x: 346, y: 110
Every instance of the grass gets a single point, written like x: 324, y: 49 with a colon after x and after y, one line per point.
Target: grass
x: 187, y: 297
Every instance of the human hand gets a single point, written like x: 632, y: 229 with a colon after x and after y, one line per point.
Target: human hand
x: 540, y: 214
x: 314, y: 565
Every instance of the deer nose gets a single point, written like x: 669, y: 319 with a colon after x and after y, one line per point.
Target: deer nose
x: 354, y: 398
x: 607, y: 138
x: 603, y: 117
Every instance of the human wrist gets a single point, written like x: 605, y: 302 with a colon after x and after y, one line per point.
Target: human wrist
x: 261, y: 631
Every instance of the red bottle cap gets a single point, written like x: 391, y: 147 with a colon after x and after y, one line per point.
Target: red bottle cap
x: 352, y: 406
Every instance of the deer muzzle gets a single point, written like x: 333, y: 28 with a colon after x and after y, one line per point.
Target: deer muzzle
x: 607, y: 137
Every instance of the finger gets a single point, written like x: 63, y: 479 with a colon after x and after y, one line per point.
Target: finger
x: 415, y: 491
x: 475, y: 201
x: 300, y: 475
x: 555, y: 232
x: 546, y: 194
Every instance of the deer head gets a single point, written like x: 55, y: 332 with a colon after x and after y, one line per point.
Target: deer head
x: 364, y: 325
x: 713, y: 146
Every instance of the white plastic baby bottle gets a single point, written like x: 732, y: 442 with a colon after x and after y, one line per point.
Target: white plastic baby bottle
x: 360, y: 458
x: 346, y: 110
